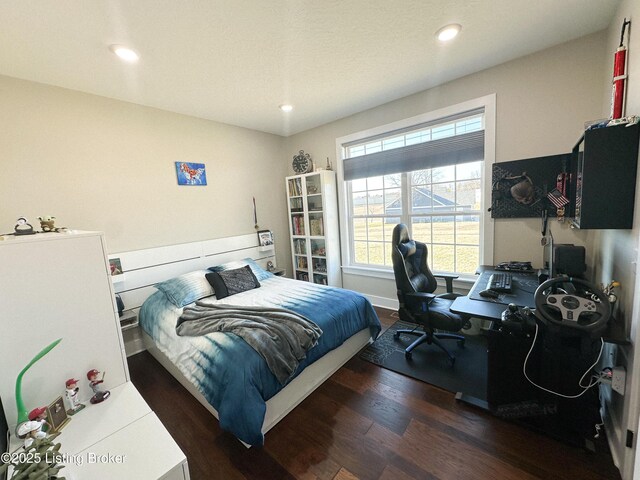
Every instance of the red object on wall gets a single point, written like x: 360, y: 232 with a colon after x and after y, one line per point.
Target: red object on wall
x: 619, y: 76
x: 619, y: 79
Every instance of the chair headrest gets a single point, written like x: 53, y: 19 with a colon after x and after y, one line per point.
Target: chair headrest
x: 407, y: 248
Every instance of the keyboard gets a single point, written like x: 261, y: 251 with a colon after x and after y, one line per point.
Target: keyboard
x: 500, y: 282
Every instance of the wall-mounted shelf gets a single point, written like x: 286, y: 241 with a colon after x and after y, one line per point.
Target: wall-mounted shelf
x: 604, y: 164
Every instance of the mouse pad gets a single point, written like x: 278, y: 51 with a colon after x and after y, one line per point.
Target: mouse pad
x: 523, y: 286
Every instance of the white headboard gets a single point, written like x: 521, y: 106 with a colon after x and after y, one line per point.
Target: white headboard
x: 141, y: 269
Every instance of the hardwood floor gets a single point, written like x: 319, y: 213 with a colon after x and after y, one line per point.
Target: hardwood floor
x: 365, y: 422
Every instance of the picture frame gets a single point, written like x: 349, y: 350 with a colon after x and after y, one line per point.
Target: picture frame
x: 57, y: 415
x: 115, y: 267
x: 192, y: 174
x: 265, y: 238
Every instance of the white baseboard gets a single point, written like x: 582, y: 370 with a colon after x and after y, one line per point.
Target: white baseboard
x: 390, y: 303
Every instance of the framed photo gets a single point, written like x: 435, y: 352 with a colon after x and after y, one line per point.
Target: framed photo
x: 115, y: 267
x: 57, y: 415
x: 191, y: 173
x: 265, y: 237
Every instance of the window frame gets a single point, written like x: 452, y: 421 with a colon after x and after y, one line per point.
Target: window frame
x: 487, y: 102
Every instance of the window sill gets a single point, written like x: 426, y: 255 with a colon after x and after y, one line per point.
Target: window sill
x: 463, y: 281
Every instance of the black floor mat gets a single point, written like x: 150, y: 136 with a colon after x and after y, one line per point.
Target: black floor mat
x: 430, y: 364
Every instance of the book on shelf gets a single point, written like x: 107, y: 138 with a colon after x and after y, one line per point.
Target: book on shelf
x: 321, y: 279
x: 298, y: 224
x: 316, y: 227
x: 300, y: 246
x: 295, y: 187
x: 296, y: 204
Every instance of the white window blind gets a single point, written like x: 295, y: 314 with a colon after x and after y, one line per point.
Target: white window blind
x: 449, y: 141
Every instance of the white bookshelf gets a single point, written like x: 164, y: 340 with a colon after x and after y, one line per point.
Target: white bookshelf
x: 312, y: 206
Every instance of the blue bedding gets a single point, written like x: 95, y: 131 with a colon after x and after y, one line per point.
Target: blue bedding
x: 232, y: 376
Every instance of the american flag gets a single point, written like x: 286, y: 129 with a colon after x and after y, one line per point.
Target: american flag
x: 557, y: 198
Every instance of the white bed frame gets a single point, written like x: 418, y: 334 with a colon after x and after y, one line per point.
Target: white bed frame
x: 143, y: 268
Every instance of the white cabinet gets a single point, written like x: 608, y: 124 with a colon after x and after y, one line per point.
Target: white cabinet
x: 57, y: 285
x: 312, y: 204
x: 119, y: 438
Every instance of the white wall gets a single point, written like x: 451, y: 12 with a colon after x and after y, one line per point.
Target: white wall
x: 543, y: 101
x: 615, y: 254
x: 102, y: 164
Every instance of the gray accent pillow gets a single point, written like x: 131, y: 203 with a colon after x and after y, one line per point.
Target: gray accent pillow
x: 229, y: 282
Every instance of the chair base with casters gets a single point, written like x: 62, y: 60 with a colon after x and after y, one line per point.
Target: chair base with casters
x: 429, y: 337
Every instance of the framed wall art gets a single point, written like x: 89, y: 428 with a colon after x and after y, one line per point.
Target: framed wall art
x: 191, y: 173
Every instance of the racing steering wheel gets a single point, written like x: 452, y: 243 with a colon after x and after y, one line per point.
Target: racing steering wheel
x: 576, y: 311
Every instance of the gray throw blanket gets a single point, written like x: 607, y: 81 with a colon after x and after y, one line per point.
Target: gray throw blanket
x: 280, y: 336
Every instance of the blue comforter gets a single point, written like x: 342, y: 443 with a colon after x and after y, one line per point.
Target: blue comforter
x: 232, y: 376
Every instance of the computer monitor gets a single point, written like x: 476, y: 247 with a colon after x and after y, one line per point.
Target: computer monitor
x: 569, y: 259
x: 564, y: 259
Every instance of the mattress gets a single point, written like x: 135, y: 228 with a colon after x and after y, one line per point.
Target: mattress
x: 232, y: 376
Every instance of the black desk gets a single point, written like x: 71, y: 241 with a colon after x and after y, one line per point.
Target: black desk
x: 556, y: 363
x: 523, y: 288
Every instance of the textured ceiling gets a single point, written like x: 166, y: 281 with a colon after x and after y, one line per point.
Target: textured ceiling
x: 236, y: 61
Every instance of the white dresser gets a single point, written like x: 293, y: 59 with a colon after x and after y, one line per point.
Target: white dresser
x: 57, y: 285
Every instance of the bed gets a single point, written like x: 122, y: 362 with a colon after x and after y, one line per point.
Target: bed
x: 226, y: 374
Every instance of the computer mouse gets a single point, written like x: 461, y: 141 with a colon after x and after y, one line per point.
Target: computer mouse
x: 489, y: 294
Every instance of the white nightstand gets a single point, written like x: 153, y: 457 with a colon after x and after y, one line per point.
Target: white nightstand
x: 129, y: 320
x: 119, y: 438
x: 131, y: 332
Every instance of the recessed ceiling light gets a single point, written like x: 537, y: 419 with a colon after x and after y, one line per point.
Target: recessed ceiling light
x: 448, y: 32
x: 125, y: 53
x: 286, y: 107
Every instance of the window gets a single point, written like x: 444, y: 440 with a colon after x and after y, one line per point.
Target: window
x: 429, y: 175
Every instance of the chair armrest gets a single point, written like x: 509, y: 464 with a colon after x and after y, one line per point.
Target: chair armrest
x: 421, y: 296
x: 448, y: 278
x: 418, y: 302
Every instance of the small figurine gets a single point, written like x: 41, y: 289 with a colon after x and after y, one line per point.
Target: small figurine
x: 30, y: 430
x: 23, y: 227
x: 72, y: 396
x: 99, y: 395
x: 47, y: 223
x: 40, y: 415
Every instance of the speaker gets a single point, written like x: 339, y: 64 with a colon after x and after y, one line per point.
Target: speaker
x: 569, y: 259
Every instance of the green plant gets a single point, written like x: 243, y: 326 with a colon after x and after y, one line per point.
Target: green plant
x: 40, y: 461
x: 23, y: 415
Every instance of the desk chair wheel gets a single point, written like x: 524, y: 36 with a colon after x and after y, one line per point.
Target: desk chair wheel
x: 396, y: 335
x: 408, y: 355
x: 461, y: 342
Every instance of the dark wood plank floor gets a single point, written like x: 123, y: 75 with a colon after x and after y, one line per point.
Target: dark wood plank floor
x: 365, y: 422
